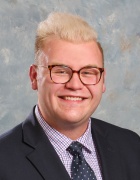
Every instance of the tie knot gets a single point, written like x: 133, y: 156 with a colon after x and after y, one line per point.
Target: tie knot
x: 75, y: 148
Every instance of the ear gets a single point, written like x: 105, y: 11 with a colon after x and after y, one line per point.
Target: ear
x: 33, y: 76
x: 104, y: 76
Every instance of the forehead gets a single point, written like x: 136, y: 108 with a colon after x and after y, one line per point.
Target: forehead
x: 72, y: 54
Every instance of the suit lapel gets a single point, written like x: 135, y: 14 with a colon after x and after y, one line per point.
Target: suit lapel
x: 107, y: 150
x: 42, y: 155
x: 46, y: 161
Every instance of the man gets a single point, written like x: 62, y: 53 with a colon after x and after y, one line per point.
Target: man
x: 69, y: 77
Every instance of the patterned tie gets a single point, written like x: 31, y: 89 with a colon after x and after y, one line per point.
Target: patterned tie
x: 80, y: 170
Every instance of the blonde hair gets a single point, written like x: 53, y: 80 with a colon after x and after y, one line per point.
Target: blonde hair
x: 66, y: 27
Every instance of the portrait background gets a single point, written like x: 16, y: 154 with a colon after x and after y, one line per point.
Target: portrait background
x: 118, y: 27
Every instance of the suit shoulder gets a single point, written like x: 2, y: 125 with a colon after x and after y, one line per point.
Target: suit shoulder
x: 115, y: 131
x: 11, y: 136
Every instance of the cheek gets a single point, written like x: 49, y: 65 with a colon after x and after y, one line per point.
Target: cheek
x: 44, y: 81
x: 96, y: 91
x: 51, y: 92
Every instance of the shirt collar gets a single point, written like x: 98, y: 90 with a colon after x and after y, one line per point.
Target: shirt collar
x: 60, y: 141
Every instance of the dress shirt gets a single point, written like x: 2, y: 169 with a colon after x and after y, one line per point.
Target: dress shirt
x: 60, y: 143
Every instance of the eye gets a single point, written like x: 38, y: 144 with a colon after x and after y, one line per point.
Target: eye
x: 60, y: 71
x: 89, y: 72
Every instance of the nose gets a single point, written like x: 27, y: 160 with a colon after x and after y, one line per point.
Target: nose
x: 75, y: 82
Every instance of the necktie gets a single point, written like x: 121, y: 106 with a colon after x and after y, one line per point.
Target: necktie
x: 80, y: 169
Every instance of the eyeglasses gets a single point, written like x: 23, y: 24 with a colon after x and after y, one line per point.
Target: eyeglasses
x: 61, y: 74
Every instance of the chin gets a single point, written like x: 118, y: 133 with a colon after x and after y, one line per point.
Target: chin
x: 73, y: 118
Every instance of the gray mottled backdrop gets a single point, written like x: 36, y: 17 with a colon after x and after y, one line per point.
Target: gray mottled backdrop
x: 118, y: 25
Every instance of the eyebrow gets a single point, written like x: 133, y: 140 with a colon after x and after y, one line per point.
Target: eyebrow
x: 60, y: 64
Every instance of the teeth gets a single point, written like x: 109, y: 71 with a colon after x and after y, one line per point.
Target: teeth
x: 73, y: 98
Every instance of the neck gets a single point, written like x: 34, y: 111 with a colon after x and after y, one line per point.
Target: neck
x: 72, y: 133
x: 69, y: 129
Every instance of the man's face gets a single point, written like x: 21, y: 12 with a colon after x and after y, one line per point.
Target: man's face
x: 67, y: 105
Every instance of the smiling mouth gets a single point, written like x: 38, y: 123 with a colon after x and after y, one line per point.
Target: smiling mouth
x: 72, y: 98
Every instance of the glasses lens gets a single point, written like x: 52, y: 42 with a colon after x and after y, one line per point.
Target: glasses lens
x: 60, y: 74
x: 90, y: 75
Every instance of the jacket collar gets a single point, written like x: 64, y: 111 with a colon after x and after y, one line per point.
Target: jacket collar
x: 41, y: 152
x: 109, y: 156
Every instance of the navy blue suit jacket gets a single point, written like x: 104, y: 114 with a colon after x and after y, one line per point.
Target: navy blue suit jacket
x: 27, y: 154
